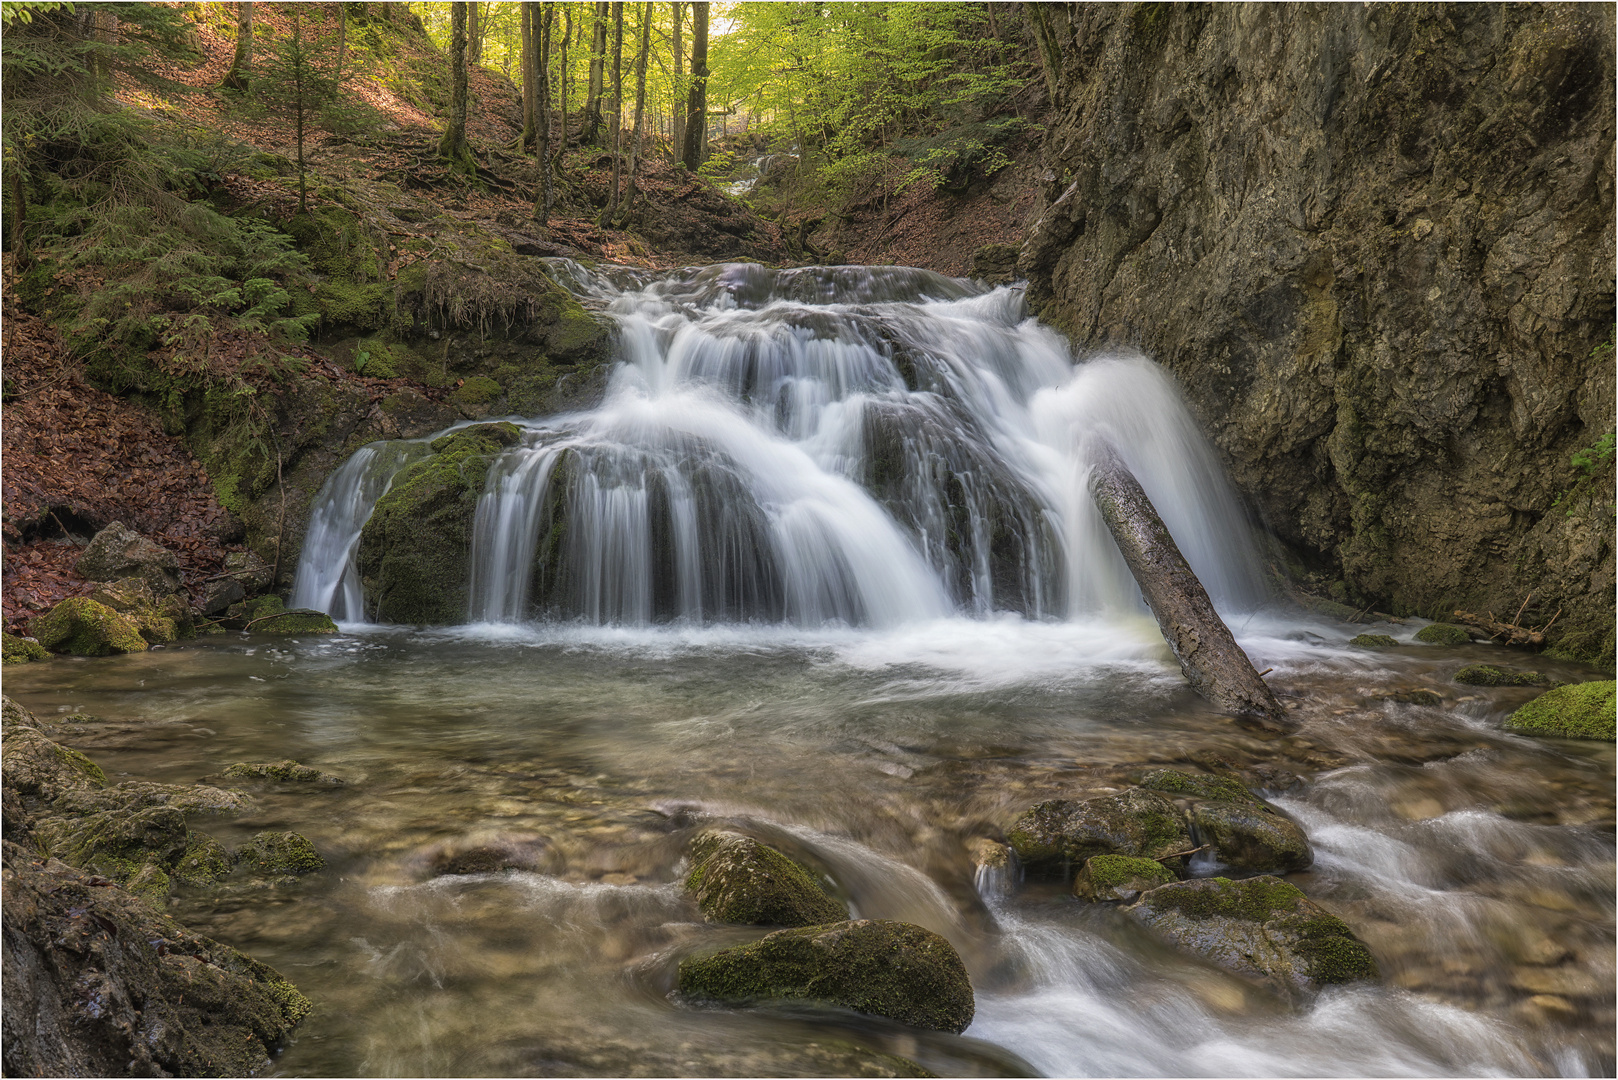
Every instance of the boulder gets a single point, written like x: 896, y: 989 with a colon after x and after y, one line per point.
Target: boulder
x: 160, y: 618
x: 1373, y: 641
x: 137, y: 848
x: 276, y: 853
x: 1118, y: 877
x: 82, y: 627
x: 247, y: 568
x: 132, y: 795
x: 1581, y: 711
x: 893, y: 969
x: 1242, y: 831
x: 220, y: 595
x: 1263, y: 928
x: 119, y: 552
x: 285, y: 770
x: 97, y: 983
x: 204, y: 862
x: 21, y: 650
x: 33, y: 767
x: 1063, y: 832
x: 1489, y: 675
x: 736, y: 879
x: 1439, y: 633
x: 268, y: 615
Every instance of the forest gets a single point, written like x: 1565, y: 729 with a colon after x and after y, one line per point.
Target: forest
x: 807, y: 539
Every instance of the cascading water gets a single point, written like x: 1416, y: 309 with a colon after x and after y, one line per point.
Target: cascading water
x: 864, y: 446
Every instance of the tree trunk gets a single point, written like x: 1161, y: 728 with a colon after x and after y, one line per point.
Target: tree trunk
x: 342, y: 45
x: 567, y: 31
x: 452, y: 147
x: 677, y: 143
x: 299, y: 105
x: 240, y: 75
x: 696, y: 106
x: 1050, y: 56
x: 547, y: 191
x: 615, y: 118
x: 1213, y: 663
x: 640, y: 104
x: 590, y: 132
x: 530, y: 121
x: 474, y: 33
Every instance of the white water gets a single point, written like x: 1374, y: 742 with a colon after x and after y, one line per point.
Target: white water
x: 825, y: 446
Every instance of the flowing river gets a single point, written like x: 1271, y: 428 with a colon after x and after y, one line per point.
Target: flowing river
x: 830, y: 574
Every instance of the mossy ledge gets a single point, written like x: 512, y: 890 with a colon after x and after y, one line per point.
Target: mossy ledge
x: 1583, y: 711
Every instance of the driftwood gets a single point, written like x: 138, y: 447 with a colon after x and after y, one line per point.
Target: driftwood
x: 1213, y: 663
x: 1507, y: 633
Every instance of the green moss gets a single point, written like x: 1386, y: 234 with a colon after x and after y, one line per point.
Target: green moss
x: 297, y: 622
x: 17, y: 650
x: 205, y: 861
x: 1372, y: 641
x: 1489, y: 675
x: 285, y: 770
x: 292, y: 1005
x: 1583, y: 711
x: 1253, y: 900
x: 1443, y: 634
x: 343, y: 303
x: 280, y: 853
x: 1119, y: 877
x: 1196, y: 787
x: 82, y: 627
x: 478, y: 390
x: 81, y: 765
x: 1333, y: 953
x: 739, y: 880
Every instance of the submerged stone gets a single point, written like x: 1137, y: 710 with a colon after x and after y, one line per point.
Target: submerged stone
x: 898, y: 970
x: 1373, y: 641
x: 82, y: 627
x: 285, y: 770
x: 736, y: 879
x: 1581, y: 711
x: 1118, y: 877
x: 274, y: 853
x: 1489, y: 675
x: 1443, y: 634
x: 1063, y: 832
x: 1415, y: 697
x: 1263, y: 928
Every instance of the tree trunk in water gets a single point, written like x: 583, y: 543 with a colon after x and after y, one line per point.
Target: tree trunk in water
x: 696, y: 106
x: 640, y: 104
x: 547, y: 194
x: 240, y: 75
x: 590, y: 132
x: 530, y: 122
x: 677, y: 143
x: 1212, y: 662
x: 452, y: 147
x: 615, y: 119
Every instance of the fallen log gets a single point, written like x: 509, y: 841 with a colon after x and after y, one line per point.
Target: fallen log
x: 1213, y: 663
x: 1506, y: 633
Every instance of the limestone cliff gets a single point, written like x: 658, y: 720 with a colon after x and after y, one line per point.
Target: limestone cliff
x: 1375, y: 245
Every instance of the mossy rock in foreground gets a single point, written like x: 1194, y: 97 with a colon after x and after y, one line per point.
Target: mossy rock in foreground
x: 1489, y: 675
x: 736, y: 879
x: 1373, y: 641
x: 1118, y: 877
x: 82, y: 627
x: 279, y: 853
x: 1263, y: 928
x: 20, y: 650
x: 1439, y: 633
x: 898, y: 970
x: 1583, y: 711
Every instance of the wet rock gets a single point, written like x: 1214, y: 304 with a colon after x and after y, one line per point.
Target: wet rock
x: 995, y: 264
x: 82, y: 627
x: 1581, y: 711
x: 1443, y: 634
x: 277, y: 853
x: 34, y: 767
x: 1372, y: 641
x: 21, y: 650
x: 1262, y: 928
x: 285, y: 770
x: 247, y: 568
x: 893, y: 969
x: 1062, y: 832
x: 268, y: 615
x: 1195, y: 786
x: 220, y: 595
x: 119, y: 552
x: 138, y: 848
x: 160, y: 618
x: 488, y: 855
x: 1118, y: 877
x: 1242, y: 831
x: 135, y: 795
x: 736, y: 879
x: 97, y: 983
x: 1414, y: 697
x: 204, y: 862
x: 1489, y: 675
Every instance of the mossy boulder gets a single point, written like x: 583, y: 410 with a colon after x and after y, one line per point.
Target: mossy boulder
x: 284, y: 770
x: 190, y: 799
x: 1439, y: 633
x: 1262, y: 928
x: 736, y: 879
x: 34, y: 767
x: 1061, y: 833
x: 118, y: 552
x: 1489, y: 675
x: 1118, y: 877
x: 1196, y: 786
x: 139, y: 848
x: 82, y: 627
x: 414, y: 551
x: 21, y: 650
x: 268, y: 615
x: 1373, y: 641
x: 1242, y: 831
x: 477, y: 393
x: 160, y: 618
x: 1582, y: 711
x: 277, y: 853
x: 893, y: 969
x: 204, y: 862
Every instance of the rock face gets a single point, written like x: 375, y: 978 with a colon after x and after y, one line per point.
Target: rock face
x: 413, y: 552
x: 892, y: 969
x: 1375, y: 247
x: 1064, y: 832
x: 736, y: 879
x: 1262, y: 928
x: 1585, y: 711
x: 119, y: 552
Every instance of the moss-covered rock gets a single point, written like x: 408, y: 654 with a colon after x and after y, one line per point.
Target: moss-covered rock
x: 21, y: 650
x: 1443, y: 634
x: 414, y: 551
x: 284, y: 770
x: 275, y: 853
x: 138, y: 848
x: 1263, y: 928
x: 118, y: 552
x: 1489, y: 675
x: 34, y: 767
x: 82, y: 627
x: 736, y: 879
x: 1414, y: 696
x: 893, y: 969
x: 292, y: 621
x: 1118, y: 877
x: 1195, y: 786
x: 479, y: 391
x: 1372, y: 641
x: 1061, y: 833
x: 160, y: 618
x: 1582, y: 711
x: 193, y: 800
x: 204, y: 862
x: 1241, y: 830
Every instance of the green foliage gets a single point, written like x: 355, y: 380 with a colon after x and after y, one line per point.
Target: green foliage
x: 1592, y: 458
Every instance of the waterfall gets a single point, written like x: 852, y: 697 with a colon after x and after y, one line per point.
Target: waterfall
x: 856, y: 445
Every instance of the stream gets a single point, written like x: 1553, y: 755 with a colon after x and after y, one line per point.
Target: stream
x: 831, y: 576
